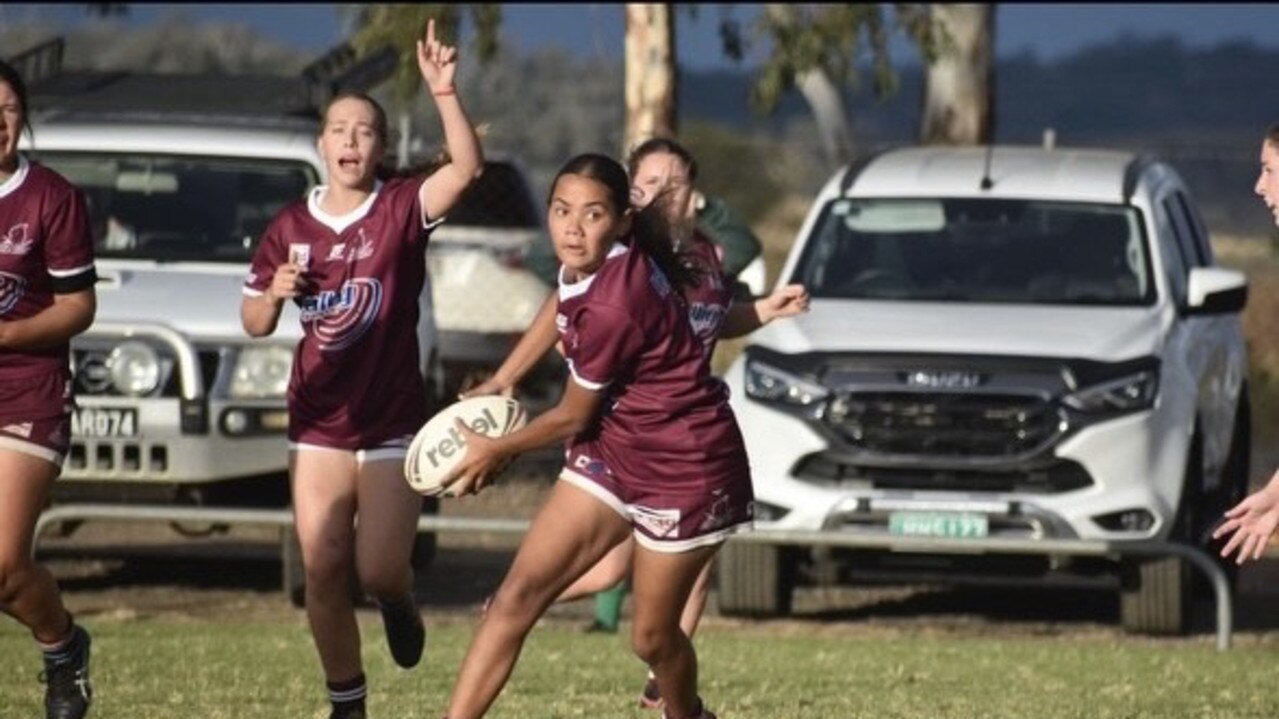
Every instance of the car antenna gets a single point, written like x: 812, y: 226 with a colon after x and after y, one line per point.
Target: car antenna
x: 986, y: 182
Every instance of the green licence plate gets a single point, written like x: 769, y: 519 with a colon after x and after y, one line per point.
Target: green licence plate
x: 938, y: 524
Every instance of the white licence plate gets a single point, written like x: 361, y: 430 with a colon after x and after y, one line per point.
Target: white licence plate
x: 104, y: 422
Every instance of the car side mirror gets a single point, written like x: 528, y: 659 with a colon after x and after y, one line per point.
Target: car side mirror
x: 1215, y: 290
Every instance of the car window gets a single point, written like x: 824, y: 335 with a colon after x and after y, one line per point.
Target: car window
x: 1198, y: 231
x: 1183, y: 233
x: 964, y: 250
x: 181, y: 208
x: 1173, y: 253
x: 499, y: 197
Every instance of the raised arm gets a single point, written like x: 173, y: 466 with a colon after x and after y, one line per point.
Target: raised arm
x: 746, y: 317
x: 438, y: 65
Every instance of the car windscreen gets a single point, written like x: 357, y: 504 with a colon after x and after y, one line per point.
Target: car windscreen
x: 978, y: 250
x: 173, y: 208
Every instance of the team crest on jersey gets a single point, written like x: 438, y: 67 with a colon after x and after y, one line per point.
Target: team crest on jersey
x: 12, y: 287
x: 561, y: 321
x: 17, y: 241
x: 339, y: 318
x: 718, y: 514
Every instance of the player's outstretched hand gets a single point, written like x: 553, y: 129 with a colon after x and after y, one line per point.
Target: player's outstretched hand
x: 1250, y: 524
x: 436, y: 61
x: 785, y: 302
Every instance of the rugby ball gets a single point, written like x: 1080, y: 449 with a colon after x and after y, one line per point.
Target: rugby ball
x: 440, y: 445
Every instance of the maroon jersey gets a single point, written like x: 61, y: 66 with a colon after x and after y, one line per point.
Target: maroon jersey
x: 45, y: 249
x: 666, y: 423
x: 709, y: 299
x: 356, y: 380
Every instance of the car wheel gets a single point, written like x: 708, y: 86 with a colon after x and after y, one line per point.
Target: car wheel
x: 755, y: 579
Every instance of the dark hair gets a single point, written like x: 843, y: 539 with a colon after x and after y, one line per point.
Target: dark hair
x: 9, y: 76
x: 379, y: 115
x: 1272, y: 135
x: 649, y: 229
x: 655, y: 145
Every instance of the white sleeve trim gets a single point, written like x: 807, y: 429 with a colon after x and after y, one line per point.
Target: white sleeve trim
x: 588, y: 384
x: 71, y: 272
x: 250, y: 292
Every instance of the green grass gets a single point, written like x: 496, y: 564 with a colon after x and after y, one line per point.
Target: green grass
x: 245, y: 669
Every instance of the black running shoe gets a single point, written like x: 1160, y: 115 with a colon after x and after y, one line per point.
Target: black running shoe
x: 651, y: 696
x: 348, y: 710
x: 405, y: 633
x: 67, y: 691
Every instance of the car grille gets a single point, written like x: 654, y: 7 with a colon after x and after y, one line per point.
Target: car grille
x: 828, y: 469
x: 939, y: 425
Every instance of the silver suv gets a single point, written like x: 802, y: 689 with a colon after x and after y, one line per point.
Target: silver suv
x: 1006, y: 343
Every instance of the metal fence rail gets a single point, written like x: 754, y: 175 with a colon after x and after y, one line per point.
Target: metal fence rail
x: 763, y: 533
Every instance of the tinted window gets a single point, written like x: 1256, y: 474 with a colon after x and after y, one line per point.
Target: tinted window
x: 172, y: 208
x: 1012, y: 251
x: 498, y: 198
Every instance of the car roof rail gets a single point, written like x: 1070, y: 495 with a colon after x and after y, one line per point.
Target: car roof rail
x: 40, y: 62
x: 1132, y: 173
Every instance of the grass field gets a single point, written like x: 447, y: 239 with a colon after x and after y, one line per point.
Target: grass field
x: 267, y: 670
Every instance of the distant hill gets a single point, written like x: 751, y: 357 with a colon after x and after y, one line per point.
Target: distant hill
x: 1205, y: 109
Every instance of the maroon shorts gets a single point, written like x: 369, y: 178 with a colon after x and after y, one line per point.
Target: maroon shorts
x: 48, y: 438
x: 666, y: 517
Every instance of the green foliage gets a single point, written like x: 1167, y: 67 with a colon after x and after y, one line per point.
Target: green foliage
x: 401, y: 26
x: 831, y: 39
x: 230, y: 668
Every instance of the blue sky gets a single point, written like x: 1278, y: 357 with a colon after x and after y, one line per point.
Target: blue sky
x: 594, y: 30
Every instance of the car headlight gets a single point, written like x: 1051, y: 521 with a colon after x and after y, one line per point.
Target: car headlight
x: 1129, y: 393
x: 770, y: 384
x: 134, y: 368
x: 261, y: 371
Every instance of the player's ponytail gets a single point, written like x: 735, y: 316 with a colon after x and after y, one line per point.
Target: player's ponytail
x: 650, y: 232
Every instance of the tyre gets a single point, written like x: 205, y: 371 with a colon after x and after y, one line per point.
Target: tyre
x: 754, y: 579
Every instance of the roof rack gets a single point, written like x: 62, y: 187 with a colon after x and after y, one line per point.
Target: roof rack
x: 123, y: 93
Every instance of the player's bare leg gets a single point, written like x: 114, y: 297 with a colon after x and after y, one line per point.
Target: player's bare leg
x: 661, y: 583
x: 383, y: 554
x: 553, y: 553
x: 324, y: 502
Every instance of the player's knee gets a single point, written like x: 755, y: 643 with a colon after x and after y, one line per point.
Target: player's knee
x: 328, y: 569
x: 13, y: 573
x: 383, y: 582
x: 653, y: 644
x: 519, y: 600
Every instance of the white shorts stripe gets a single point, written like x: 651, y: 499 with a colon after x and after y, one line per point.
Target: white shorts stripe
x: 396, y: 449
x: 675, y: 546
x: 32, y: 449
x: 584, y: 483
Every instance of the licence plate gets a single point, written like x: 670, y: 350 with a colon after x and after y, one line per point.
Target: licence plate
x: 938, y: 524
x: 104, y: 422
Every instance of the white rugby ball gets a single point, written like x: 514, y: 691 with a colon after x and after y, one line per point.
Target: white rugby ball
x: 440, y: 445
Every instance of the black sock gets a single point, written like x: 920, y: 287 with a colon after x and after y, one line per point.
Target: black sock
x: 348, y: 692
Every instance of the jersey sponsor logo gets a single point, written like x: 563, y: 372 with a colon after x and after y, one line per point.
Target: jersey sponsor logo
x: 22, y: 429
x: 338, y: 318
x: 590, y: 465
x: 17, y: 240
x: 363, y: 250
x: 12, y: 287
x: 706, y: 318
x: 561, y: 321
x: 660, y: 522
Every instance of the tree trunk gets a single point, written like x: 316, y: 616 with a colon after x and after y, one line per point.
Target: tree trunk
x: 651, y: 81
x: 823, y: 97
x: 959, y: 88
